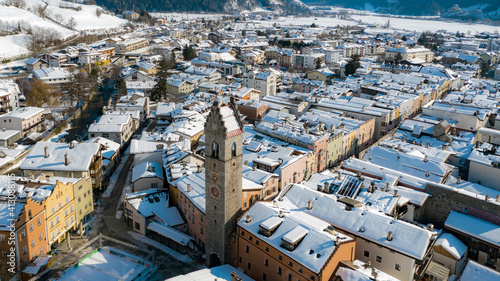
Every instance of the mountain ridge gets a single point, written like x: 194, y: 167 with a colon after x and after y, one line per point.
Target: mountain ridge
x: 228, y: 6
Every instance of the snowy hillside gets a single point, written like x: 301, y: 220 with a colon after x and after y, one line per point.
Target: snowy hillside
x: 58, y: 19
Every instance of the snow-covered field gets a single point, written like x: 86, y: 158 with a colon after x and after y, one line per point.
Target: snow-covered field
x: 13, y: 45
x: 58, y: 14
x: 186, y: 16
x: 321, y: 21
x: 86, y: 18
x: 15, y: 16
x: 421, y: 25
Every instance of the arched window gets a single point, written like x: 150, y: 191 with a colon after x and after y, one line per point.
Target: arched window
x: 215, y: 149
x: 233, y: 149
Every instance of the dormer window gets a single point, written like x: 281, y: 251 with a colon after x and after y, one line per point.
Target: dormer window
x: 269, y: 226
x: 292, y: 239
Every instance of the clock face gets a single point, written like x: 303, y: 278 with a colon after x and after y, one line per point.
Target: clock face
x: 215, y: 192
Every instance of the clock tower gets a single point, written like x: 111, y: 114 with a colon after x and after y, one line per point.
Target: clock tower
x: 223, y: 180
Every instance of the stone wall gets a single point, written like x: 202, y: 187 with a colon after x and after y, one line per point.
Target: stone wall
x: 443, y: 201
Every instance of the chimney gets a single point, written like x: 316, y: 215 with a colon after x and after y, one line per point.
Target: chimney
x: 371, y: 188
x: 326, y: 187
x: 254, y: 167
x: 46, y: 151
x: 66, y: 159
x: 498, y: 199
x: 443, y: 147
x: 188, y: 187
x: 459, y: 180
x: 477, y: 144
x: 427, y: 174
x: 425, y: 158
x: 307, y: 130
x: 280, y: 214
x: 246, y: 162
x: 395, y: 193
x: 486, y: 198
x: 430, y: 227
x: 320, y: 187
x: 71, y: 145
x: 427, y: 145
x: 387, y: 186
x: 390, y: 236
x: 199, y: 169
x: 309, y: 204
x: 339, y: 175
x: 421, y: 143
x: 280, y: 160
x: 248, y: 219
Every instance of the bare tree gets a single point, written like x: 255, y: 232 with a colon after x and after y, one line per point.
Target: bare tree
x: 41, y: 94
x: 71, y: 23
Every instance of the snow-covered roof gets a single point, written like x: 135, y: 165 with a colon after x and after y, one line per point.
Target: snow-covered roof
x: 80, y: 157
x: 147, y: 170
x: 363, y: 272
x: 452, y: 245
x: 409, y: 163
x: 23, y: 113
x: 408, y: 239
x: 230, y: 121
x: 316, y: 246
x: 109, y: 147
x: 139, y: 146
x: 222, y: 272
x: 475, y: 227
x: 170, y: 232
x: 34, y: 266
x: 476, y: 272
x: 9, y: 212
x: 196, y: 183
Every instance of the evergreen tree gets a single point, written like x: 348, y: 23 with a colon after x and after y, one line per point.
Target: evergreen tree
x: 122, y: 87
x: 189, y: 53
x: 352, y: 65
x: 160, y: 89
x: 485, y: 68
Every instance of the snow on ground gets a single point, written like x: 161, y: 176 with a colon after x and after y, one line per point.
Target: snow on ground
x: 421, y: 25
x: 104, y: 265
x: 186, y: 16
x: 15, y: 16
x: 180, y: 257
x: 86, y: 18
x: 321, y: 21
x: 61, y: 134
x: 13, y: 45
x: 114, y: 178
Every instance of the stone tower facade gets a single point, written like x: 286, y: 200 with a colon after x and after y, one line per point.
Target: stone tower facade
x: 223, y: 180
